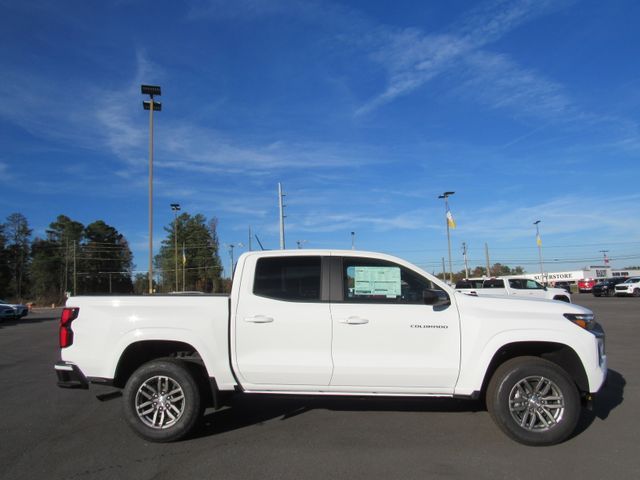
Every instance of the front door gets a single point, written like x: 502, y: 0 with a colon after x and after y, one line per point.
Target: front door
x: 384, y: 336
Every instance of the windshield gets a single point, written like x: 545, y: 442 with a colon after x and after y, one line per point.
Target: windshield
x: 633, y: 280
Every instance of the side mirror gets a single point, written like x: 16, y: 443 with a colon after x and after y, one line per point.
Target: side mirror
x: 431, y: 297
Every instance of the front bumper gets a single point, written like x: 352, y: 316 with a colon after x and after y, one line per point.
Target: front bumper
x: 70, y: 376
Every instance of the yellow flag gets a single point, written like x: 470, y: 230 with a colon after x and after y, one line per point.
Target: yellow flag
x: 538, y: 240
x: 450, y: 221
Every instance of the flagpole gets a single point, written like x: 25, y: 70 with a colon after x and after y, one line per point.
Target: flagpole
x: 539, y: 242
x: 446, y: 195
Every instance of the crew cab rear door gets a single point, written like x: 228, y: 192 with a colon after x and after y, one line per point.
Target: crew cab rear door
x: 527, y: 287
x: 282, y: 328
x: 385, y: 338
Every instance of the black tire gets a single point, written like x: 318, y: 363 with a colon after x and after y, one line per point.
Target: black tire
x: 636, y: 292
x: 184, y: 405
x: 508, y: 382
x: 611, y: 293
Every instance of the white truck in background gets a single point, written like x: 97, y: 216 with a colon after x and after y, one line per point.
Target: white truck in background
x: 511, y: 285
x: 322, y: 322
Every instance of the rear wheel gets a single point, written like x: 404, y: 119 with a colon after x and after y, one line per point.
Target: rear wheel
x: 533, y: 401
x: 636, y: 292
x: 162, y: 401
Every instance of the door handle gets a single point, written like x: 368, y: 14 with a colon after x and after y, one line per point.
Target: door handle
x: 354, y: 320
x: 259, y: 319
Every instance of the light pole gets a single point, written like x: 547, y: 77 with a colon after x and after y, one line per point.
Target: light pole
x: 152, y: 106
x: 231, y: 247
x: 353, y: 240
x: 539, y: 242
x: 449, y: 222
x: 176, y: 208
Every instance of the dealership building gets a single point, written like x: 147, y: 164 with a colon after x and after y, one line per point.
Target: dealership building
x: 595, y: 272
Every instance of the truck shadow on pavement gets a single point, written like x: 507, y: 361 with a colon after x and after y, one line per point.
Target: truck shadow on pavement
x: 610, y: 396
x: 247, y: 410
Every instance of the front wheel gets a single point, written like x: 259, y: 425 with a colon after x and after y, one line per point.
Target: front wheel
x: 636, y: 292
x: 162, y: 401
x: 533, y: 401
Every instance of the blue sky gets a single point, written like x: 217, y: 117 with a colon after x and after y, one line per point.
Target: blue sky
x: 364, y: 110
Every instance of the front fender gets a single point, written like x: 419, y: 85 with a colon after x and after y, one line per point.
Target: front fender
x: 475, y: 364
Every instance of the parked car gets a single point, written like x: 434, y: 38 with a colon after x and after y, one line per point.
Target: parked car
x: 7, y: 312
x: 586, y: 285
x: 566, y: 286
x: 607, y: 287
x: 630, y: 286
x: 517, y: 286
x: 19, y: 310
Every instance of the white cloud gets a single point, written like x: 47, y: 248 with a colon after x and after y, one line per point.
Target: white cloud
x: 413, y: 58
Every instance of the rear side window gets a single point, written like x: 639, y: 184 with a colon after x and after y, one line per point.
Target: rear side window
x: 288, y: 278
x: 516, y: 283
x: 495, y: 283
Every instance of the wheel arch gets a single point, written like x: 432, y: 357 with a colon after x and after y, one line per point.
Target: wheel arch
x: 562, y: 355
x: 138, y: 353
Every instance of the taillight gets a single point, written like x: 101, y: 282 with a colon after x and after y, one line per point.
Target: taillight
x: 66, y: 334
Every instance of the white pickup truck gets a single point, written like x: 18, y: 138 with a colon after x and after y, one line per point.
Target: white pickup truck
x: 320, y: 322
x: 509, y: 285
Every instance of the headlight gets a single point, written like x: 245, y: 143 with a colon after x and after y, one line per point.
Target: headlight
x: 583, y: 320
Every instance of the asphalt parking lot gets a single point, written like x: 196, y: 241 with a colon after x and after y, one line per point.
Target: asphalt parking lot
x: 51, y: 433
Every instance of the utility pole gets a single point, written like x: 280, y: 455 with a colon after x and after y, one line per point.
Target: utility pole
x: 250, y: 249
x: 464, y: 255
x: 74, y: 270
x: 539, y: 242
x: 486, y: 253
x: 353, y: 240
x: 444, y: 271
x: 176, y: 208
x: 66, y: 268
x: 282, y: 216
x: 184, y: 264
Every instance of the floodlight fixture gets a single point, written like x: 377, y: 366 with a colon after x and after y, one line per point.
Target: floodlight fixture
x: 446, y: 194
x: 157, y: 106
x: 150, y: 90
x: 175, y: 207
